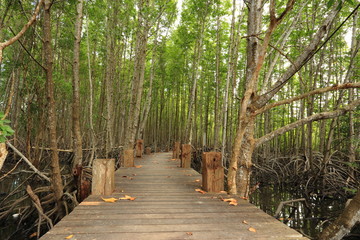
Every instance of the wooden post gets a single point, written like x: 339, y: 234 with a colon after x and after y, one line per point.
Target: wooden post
x: 148, y: 150
x: 212, y: 172
x: 176, y: 150
x: 129, y: 158
x: 139, y: 147
x: 103, y: 176
x: 186, y: 156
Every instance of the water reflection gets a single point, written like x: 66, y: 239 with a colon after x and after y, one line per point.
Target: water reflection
x: 308, y: 217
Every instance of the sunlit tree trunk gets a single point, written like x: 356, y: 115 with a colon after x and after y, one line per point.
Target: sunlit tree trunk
x: 48, y: 55
x: 138, y: 78
x: 77, y: 139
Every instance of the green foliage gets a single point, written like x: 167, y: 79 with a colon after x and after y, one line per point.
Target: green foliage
x: 5, y: 129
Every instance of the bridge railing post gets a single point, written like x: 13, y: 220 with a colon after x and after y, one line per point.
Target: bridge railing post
x: 103, y: 176
x: 139, y: 147
x: 129, y: 158
x: 148, y: 150
x: 186, y: 156
x: 176, y: 150
x: 212, y: 172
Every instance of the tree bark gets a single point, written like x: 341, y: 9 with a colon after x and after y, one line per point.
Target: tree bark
x: 77, y: 139
x: 55, y: 167
x: 344, y: 222
x: 138, y: 78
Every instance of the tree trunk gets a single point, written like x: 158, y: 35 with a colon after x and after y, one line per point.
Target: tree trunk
x: 55, y: 168
x: 77, y: 139
x: 138, y: 78
x: 344, y: 222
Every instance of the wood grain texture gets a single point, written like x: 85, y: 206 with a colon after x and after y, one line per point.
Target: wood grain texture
x: 166, y: 207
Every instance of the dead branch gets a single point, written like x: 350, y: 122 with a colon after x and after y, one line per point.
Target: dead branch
x: 28, y: 162
x: 38, y: 206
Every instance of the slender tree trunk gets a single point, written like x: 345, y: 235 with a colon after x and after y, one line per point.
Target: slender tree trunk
x: 91, y: 98
x: 218, y: 81
x: 55, y: 168
x: 147, y: 106
x: 77, y: 139
x: 138, y: 78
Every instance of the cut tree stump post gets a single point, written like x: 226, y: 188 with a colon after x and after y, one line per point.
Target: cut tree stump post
x: 212, y: 172
x: 103, y: 176
x: 148, y: 150
x: 129, y: 158
x: 186, y: 156
x: 139, y: 147
x: 176, y: 150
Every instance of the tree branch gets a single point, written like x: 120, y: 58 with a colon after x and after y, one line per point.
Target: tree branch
x: 7, y: 43
x: 316, y: 117
x: 302, y: 96
x: 28, y: 162
x: 302, y: 59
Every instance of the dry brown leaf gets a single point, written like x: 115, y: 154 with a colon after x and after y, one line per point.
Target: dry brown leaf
x: 110, y: 200
x: 233, y: 203
x: 188, y: 175
x: 189, y: 233
x: 223, y: 192
x: 134, y: 174
x: 251, y: 229
x: 138, y: 166
x: 124, y: 176
x: 200, y: 191
x: 173, y: 159
x: 245, y: 198
x: 245, y: 222
x: 33, y: 235
x: 229, y: 200
x: 197, y: 180
x: 68, y: 237
x: 127, y: 197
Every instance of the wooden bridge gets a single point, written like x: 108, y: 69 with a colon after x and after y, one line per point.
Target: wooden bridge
x: 167, y: 206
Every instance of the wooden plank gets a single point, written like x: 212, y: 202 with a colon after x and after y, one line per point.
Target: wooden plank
x: 166, y: 207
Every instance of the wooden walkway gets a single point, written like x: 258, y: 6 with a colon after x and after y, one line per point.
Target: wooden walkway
x: 166, y: 207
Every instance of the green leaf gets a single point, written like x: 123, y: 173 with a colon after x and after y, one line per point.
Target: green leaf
x: 351, y: 2
x: 330, y: 3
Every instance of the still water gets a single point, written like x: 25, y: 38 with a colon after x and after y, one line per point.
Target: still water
x: 308, y: 218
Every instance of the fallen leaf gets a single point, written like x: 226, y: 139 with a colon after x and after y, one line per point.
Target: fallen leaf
x: 233, y: 203
x: 68, y: 237
x: 223, y: 192
x: 173, y: 159
x: 188, y: 175
x: 245, y: 198
x: 197, y: 180
x: 138, y: 166
x: 33, y: 235
x: 189, y: 233
x: 229, y: 200
x: 251, y: 229
x: 110, y: 200
x: 281, y: 219
x: 245, y: 222
x: 200, y: 191
x: 168, y: 176
x: 134, y: 174
x: 124, y: 176
x: 127, y: 197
